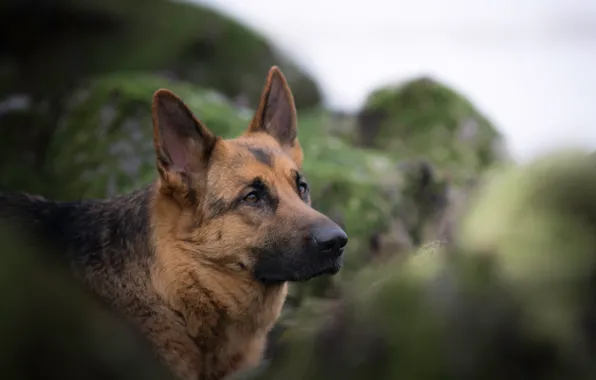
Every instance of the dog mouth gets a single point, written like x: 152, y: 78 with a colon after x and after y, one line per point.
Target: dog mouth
x: 328, y: 267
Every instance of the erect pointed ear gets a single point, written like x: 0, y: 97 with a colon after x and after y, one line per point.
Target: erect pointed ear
x: 276, y: 113
x: 182, y: 144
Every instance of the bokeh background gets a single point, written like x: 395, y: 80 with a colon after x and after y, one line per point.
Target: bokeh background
x: 429, y: 130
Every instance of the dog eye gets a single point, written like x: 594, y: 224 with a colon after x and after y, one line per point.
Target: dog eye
x: 251, y: 197
x: 303, y: 189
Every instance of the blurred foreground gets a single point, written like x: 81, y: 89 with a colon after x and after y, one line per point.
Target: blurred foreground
x: 506, y: 292
x: 513, y: 298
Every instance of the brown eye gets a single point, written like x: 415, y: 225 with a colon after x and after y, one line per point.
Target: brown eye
x: 251, y: 197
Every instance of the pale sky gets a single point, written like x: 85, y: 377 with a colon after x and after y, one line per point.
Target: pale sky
x: 529, y: 65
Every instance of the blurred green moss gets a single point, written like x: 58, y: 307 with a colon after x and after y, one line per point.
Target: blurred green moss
x: 547, y: 210
x: 104, y: 143
x: 70, y: 40
x: 423, y: 117
x: 51, y: 48
x: 512, y: 298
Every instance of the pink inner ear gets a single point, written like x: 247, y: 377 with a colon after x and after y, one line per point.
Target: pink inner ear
x: 179, y: 159
x: 176, y: 148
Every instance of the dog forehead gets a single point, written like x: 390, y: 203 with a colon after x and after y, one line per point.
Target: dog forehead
x: 240, y: 161
x: 260, y: 150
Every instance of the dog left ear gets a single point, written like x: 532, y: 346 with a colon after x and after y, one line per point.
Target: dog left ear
x: 276, y: 113
x: 183, y: 145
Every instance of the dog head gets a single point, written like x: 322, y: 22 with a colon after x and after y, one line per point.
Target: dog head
x: 242, y: 205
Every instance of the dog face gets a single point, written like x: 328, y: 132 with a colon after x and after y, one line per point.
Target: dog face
x: 242, y: 205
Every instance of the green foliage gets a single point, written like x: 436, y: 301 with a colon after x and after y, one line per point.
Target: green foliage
x: 513, y: 299
x: 425, y: 118
x: 20, y: 156
x: 360, y: 185
x: 188, y: 40
x: 104, y: 144
x: 548, y: 212
x: 53, y: 46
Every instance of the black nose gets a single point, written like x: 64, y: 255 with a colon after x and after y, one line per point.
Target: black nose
x: 330, y: 238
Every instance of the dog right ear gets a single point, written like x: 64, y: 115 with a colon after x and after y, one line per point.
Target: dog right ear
x: 182, y: 143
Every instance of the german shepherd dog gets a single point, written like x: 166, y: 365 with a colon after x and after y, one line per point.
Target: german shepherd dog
x: 199, y: 260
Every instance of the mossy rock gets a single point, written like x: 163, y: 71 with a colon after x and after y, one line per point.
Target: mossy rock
x: 513, y: 298
x: 104, y: 143
x: 21, y: 151
x: 423, y: 117
x: 191, y: 41
x: 373, y: 191
x: 77, y: 40
x: 537, y: 222
x: 360, y: 185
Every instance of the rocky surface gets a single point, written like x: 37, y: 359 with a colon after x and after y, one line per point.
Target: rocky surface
x: 52, y: 47
x: 412, y: 118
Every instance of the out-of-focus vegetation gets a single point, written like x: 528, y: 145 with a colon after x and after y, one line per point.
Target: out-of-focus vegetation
x: 52, y: 48
x: 512, y: 298
x: 505, y: 293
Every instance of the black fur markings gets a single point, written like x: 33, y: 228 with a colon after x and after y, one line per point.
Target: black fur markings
x: 260, y: 155
x: 263, y: 155
x: 92, y: 233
